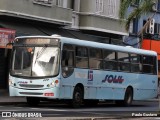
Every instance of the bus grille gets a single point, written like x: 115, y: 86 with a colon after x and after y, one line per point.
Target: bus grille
x: 31, y: 86
x: 30, y: 93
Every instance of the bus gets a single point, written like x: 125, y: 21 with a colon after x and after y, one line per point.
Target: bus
x: 153, y: 43
x: 80, y: 72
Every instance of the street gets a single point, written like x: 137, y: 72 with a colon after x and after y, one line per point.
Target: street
x: 139, y: 109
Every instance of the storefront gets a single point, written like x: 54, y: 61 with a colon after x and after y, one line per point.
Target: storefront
x: 6, y: 36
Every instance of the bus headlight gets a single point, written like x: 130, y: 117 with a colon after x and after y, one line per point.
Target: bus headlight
x: 10, y: 82
x: 53, y: 84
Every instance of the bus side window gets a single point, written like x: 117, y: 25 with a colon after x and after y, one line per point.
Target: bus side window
x: 123, y: 62
x: 81, y: 57
x: 136, y: 64
x: 147, y: 64
x: 65, y: 57
x: 155, y: 65
x: 67, y: 61
x: 95, y: 58
x: 110, y: 62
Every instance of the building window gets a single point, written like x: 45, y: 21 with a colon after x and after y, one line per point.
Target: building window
x: 134, y: 26
x: 157, y: 28
x: 60, y: 3
x: 99, y: 6
x: 75, y: 21
x: 158, y: 6
x: 110, y: 8
x: 107, y: 8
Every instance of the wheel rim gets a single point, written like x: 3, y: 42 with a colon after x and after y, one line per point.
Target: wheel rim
x: 128, y: 96
x: 77, y: 97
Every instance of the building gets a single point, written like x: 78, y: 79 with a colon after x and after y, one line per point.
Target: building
x: 137, y: 24
x: 95, y: 20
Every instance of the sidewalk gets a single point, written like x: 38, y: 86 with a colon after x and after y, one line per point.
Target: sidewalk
x: 5, y: 99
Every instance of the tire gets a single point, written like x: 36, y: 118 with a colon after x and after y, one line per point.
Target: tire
x: 128, y: 98
x: 33, y: 101
x: 77, y: 97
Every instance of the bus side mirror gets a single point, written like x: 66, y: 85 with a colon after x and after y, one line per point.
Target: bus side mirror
x: 65, y: 55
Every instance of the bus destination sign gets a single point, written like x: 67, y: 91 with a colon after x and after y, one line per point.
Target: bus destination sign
x: 36, y: 41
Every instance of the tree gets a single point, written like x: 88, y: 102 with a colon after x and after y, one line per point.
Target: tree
x: 144, y: 7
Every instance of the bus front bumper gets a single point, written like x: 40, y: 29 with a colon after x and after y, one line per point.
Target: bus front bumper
x: 45, y: 93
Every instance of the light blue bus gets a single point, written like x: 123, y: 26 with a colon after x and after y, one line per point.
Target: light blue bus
x: 80, y: 72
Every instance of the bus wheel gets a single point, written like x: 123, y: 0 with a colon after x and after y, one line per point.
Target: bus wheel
x: 77, y: 97
x: 33, y: 101
x: 128, y: 98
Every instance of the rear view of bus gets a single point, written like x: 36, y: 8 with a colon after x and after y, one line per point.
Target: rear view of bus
x: 34, y: 69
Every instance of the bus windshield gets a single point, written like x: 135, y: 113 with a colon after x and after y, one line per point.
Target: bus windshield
x: 35, y: 61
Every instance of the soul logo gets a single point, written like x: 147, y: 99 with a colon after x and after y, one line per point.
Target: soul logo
x: 113, y: 79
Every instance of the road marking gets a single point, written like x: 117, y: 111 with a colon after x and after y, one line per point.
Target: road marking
x: 52, y: 114
x: 92, y: 113
x: 9, y: 110
x: 46, y: 109
x: 19, y: 107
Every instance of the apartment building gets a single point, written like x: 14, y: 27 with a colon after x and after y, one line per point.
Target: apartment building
x: 137, y: 24
x: 99, y: 17
x: 95, y: 20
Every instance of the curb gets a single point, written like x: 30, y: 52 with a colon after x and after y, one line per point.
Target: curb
x: 151, y: 100
x: 12, y: 103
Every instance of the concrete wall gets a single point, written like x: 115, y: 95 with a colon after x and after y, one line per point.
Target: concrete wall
x: 29, y: 10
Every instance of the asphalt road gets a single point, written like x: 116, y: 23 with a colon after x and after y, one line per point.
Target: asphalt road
x: 57, y: 111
